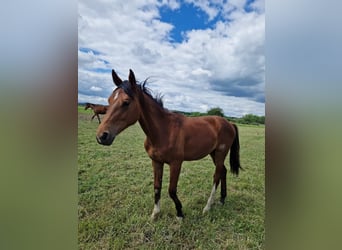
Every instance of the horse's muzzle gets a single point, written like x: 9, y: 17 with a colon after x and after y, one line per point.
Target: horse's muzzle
x: 105, y: 139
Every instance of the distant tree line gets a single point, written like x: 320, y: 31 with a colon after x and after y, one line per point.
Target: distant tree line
x: 246, y: 119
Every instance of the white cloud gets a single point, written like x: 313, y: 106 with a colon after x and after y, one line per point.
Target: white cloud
x: 91, y: 99
x: 258, y: 5
x: 222, y: 66
x: 201, y: 72
x: 210, y: 9
x: 172, y: 4
x: 96, y: 89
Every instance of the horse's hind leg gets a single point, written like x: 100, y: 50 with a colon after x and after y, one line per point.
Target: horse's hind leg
x: 218, y: 157
x: 223, y: 184
x: 98, y: 117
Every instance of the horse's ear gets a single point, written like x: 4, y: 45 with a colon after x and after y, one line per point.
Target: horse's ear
x: 116, y: 78
x: 131, y: 78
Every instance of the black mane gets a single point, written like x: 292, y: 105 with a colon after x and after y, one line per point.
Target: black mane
x: 158, y: 98
x: 126, y: 86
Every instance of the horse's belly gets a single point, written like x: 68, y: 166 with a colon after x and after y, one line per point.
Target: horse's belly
x: 198, y: 151
x: 199, y: 146
x: 193, y: 157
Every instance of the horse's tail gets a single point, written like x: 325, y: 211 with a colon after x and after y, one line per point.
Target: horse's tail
x: 234, y: 159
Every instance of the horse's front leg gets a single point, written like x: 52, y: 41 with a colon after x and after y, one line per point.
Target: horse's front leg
x: 174, y: 175
x: 98, y: 117
x: 158, y: 179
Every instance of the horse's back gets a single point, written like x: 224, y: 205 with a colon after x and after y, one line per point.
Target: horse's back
x: 191, y: 138
x: 100, y: 109
x: 202, y: 135
x: 210, y: 124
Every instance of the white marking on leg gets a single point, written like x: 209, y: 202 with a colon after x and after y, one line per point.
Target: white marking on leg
x: 156, y: 210
x: 210, y: 200
x: 116, y: 96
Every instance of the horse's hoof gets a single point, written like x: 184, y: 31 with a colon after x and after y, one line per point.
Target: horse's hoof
x: 206, y: 209
x: 154, y: 216
x: 179, y: 218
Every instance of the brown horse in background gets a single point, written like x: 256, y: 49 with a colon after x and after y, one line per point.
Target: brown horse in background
x: 170, y: 138
x: 98, y: 109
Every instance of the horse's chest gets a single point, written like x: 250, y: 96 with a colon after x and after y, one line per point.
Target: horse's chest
x: 161, y: 154
x: 155, y: 153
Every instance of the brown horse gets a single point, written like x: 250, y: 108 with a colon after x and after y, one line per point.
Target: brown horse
x: 170, y: 138
x: 98, y: 109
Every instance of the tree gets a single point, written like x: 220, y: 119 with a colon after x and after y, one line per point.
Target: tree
x: 215, y: 111
x: 253, y: 119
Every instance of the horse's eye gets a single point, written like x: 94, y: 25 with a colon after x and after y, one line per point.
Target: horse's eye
x: 125, y: 103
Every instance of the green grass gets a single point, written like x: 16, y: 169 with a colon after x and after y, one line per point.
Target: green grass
x: 116, y: 196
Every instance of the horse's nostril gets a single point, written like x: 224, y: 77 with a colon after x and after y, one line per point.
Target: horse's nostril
x: 104, y: 136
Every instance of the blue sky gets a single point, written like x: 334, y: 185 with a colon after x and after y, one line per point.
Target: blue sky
x: 198, y: 54
x: 186, y: 18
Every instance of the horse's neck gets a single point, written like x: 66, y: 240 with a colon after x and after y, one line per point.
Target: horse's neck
x: 153, y: 119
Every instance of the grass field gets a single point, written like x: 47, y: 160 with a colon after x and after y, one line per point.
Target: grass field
x: 116, y: 196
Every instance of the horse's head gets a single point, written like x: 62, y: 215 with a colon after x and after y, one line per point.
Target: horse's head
x: 87, y: 106
x: 123, y: 110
